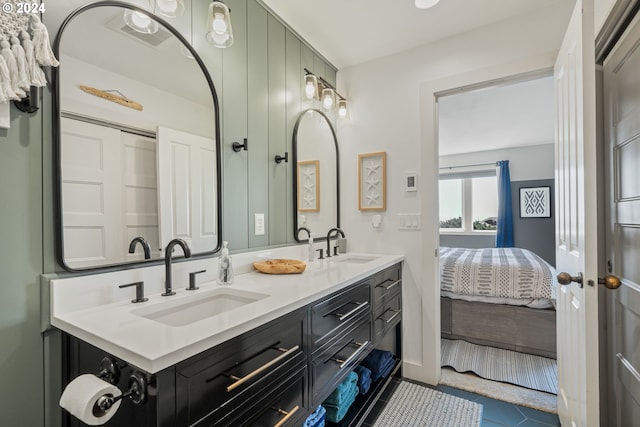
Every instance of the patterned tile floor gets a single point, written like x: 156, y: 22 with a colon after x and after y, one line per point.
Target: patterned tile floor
x: 495, y: 413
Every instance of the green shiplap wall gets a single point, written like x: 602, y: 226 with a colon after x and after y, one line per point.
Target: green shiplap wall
x: 21, y: 346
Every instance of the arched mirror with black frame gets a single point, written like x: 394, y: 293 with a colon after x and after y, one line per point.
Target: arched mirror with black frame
x: 136, y: 141
x: 316, y: 176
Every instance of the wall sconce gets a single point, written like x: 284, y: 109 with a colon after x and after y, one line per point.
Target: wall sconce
x: 167, y: 8
x: 425, y: 4
x: 342, y: 108
x: 219, y: 33
x: 140, y: 21
x: 327, y: 98
x: 310, y: 86
x: 318, y: 88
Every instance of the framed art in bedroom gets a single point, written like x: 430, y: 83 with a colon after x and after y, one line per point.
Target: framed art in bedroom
x: 535, y: 202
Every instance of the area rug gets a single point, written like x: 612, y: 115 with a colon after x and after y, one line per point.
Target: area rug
x: 506, y: 392
x: 526, y: 370
x: 417, y: 406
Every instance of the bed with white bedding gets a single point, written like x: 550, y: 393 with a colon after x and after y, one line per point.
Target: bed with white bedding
x: 502, y: 297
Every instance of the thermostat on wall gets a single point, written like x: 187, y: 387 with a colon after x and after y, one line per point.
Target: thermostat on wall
x: 411, y: 181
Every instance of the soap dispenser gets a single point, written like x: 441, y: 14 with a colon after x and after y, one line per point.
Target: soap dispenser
x: 311, y: 254
x: 225, y: 270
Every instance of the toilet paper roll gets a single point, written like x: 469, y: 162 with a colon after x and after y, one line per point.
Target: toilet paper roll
x: 81, y: 395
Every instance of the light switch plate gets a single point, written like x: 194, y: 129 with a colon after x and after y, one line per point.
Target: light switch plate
x: 409, y: 221
x: 258, y: 224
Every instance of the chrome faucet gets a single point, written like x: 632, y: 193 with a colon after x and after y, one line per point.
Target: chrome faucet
x: 143, y: 243
x: 168, y: 288
x: 337, y: 230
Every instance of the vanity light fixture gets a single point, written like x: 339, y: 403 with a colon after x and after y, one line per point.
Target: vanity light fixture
x: 342, y: 108
x: 167, y: 8
x: 425, y: 4
x: 310, y: 85
x: 327, y: 98
x: 319, y: 89
x: 140, y: 21
x: 219, y: 31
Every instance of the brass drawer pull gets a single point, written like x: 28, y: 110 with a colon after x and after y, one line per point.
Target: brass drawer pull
x: 396, y: 313
x: 360, y: 305
x: 388, y: 288
x: 240, y: 381
x: 361, y: 347
x: 286, y: 414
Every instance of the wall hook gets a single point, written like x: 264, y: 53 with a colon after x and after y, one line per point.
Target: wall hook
x: 280, y: 158
x: 29, y: 104
x: 237, y: 146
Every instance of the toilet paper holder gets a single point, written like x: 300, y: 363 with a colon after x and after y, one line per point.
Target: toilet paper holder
x: 137, y: 392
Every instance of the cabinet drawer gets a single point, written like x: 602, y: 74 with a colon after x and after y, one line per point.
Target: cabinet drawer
x: 388, y: 316
x: 386, y: 283
x: 337, y: 312
x: 333, y: 365
x: 283, y: 406
x: 222, y: 380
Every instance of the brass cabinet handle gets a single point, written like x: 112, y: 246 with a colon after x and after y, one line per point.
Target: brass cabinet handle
x: 360, y: 306
x: 387, y: 288
x: 361, y: 347
x: 240, y: 381
x: 396, y: 313
x: 286, y: 414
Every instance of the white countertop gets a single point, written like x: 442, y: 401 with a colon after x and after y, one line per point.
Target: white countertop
x: 93, y: 308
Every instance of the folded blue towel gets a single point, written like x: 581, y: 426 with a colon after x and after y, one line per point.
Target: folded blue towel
x: 320, y: 422
x: 338, y: 395
x: 364, y: 386
x: 377, y: 360
x: 364, y: 378
x: 315, y: 417
x: 384, y: 370
x: 335, y: 414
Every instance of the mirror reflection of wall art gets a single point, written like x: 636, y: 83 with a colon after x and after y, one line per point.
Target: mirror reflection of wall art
x: 372, y: 181
x: 309, y: 186
x: 535, y: 202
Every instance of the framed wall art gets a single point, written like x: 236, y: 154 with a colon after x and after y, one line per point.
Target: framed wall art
x: 372, y: 181
x: 309, y: 186
x: 535, y: 202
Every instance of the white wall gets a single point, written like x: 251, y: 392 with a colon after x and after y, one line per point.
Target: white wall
x: 525, y: 163
x: 392, y: 110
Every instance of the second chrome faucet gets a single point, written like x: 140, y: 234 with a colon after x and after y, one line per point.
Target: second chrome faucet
x: 168, y: 258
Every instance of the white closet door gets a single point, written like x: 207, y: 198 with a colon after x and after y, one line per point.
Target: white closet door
x: 139, y: 192
x: 186, y: 189
x: 91, y: 202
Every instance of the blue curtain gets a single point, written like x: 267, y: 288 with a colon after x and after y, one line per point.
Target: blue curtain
x: 504, y: 236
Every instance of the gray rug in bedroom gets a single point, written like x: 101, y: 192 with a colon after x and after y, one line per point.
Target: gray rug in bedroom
x: 526, y: 370
x: 412, y: 405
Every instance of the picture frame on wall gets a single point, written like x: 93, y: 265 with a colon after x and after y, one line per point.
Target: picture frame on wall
x: 372, y: 181
x: 309, y: 186
x: 535, y: 202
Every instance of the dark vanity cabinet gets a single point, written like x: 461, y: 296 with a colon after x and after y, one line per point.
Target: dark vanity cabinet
x: 273, y: 375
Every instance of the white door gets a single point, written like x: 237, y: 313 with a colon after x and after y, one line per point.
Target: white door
x: 186, y: 189
x: 622, y: 124
x: 576, y: 222
x: 139, y: 192
x: 91, y: 198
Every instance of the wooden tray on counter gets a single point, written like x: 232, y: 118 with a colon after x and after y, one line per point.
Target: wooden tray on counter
x: 280, y: 266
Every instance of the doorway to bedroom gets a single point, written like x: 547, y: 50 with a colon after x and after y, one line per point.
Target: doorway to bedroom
x: 497, y: 239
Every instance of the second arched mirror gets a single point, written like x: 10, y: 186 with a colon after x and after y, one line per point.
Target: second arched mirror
x: 316, y: 190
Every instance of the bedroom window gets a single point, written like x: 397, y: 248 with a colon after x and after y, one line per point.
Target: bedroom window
x: 468, y: 204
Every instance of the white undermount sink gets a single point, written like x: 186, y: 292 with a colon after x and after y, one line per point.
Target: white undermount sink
x: 199, y: 306
x: 354, y: 259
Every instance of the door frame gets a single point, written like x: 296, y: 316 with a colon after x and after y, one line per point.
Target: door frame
x: 427, y: 310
